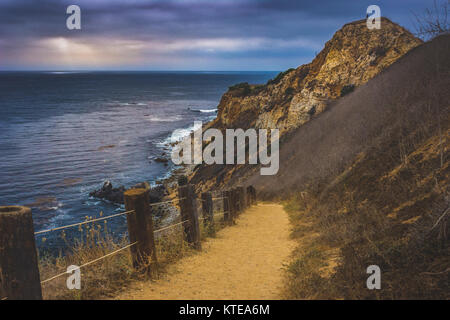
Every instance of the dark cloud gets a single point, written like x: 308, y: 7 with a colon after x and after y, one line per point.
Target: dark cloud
x: 306, y: 25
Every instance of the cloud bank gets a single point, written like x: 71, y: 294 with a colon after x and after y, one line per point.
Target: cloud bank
x: 178, y: 34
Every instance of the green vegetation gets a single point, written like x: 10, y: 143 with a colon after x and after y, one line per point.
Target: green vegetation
x: 240, y: 86
x: 244, y: 89
x: 312, y: 111
x: 280, y: 76
x: 347, y: 89
x: 289, y: 91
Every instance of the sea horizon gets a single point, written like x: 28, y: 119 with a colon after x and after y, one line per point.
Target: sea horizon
x: 141, y: 71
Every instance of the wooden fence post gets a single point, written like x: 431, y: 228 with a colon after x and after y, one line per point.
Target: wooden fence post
x: 251, y: 195
x: 19, y: 272
x: 227, y: 210
x: 252, y: 191
x: 242, y: 198
x: 238, y: 195
x: 188, y: 211
x: 248, y: 196
x: 182, y: 181
x: 140, y: 228
x: 238, y: 201
x: 208, y: 212
x: 233, y: 204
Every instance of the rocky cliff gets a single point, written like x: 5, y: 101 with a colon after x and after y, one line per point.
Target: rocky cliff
x: 354, y: 55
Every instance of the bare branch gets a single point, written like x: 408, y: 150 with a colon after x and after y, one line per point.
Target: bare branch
x: 433, y: 22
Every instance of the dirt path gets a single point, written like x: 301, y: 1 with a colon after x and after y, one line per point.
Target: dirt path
x: 243, y: 262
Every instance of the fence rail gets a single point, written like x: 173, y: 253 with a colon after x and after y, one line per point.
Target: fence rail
x: 90, y: 262
x: 84, y: 222
x: 17, y: 236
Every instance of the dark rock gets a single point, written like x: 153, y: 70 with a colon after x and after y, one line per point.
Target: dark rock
x: 107, y: 186
x: 158, y: 193
x: 141, y: 185
x: 107, y: 192
x: 115, y: 195
x: 161, y: 160
x: 182, y: 180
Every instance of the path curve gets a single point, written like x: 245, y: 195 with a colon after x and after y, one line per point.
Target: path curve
x: 244, y: 261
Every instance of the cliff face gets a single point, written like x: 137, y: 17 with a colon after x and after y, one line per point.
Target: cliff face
x: 354, y: 55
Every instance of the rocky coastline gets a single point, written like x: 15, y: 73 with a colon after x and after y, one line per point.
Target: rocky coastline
x: 164, y: 190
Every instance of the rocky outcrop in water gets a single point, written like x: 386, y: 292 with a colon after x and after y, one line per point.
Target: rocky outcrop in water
x: 107, y: 192
x: 115, y: 195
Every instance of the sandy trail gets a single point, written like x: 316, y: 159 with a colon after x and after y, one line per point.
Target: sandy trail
x: 244, y: 261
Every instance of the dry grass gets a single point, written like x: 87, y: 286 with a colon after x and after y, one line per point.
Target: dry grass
x: 107, y: 277
x: 344, y: 227
x: 99, y: 279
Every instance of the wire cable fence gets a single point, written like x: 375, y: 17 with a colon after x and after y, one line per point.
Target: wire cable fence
x: 84, y: 222
x: 115, y: 251
x: 104, y: 219
x: 90, y: 262
x: 165, y: 202
x: 217, y: 209
x: 171, y: 226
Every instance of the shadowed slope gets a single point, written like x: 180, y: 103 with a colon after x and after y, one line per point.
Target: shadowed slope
x: 412, y: 93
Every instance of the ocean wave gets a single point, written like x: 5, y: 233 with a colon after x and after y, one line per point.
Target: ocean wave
x: 163, y: 119
x: 133, y: 104
x: 178, y: 135
x: 64, y: 72
x: 204, y: 110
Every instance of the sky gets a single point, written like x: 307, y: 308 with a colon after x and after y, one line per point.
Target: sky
x: 206, y: 35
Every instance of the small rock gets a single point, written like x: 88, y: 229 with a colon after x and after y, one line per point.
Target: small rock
x: 161, y: 160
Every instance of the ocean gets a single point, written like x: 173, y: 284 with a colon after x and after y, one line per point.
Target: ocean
x: 64, y: 133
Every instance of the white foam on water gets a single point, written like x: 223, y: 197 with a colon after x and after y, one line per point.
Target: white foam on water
x: 64, y: 72
x: 133, y: 104
x: 179, y: 134
x: 204, y: 110
x: 160, y: 119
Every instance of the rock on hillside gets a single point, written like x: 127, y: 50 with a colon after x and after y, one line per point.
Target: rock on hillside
x: 354, y: 55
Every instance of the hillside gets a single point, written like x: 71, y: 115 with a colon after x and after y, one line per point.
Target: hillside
x: 354, y: 55
x: 371, y: 180
x: 387, y: 109
x: 367, y: 182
